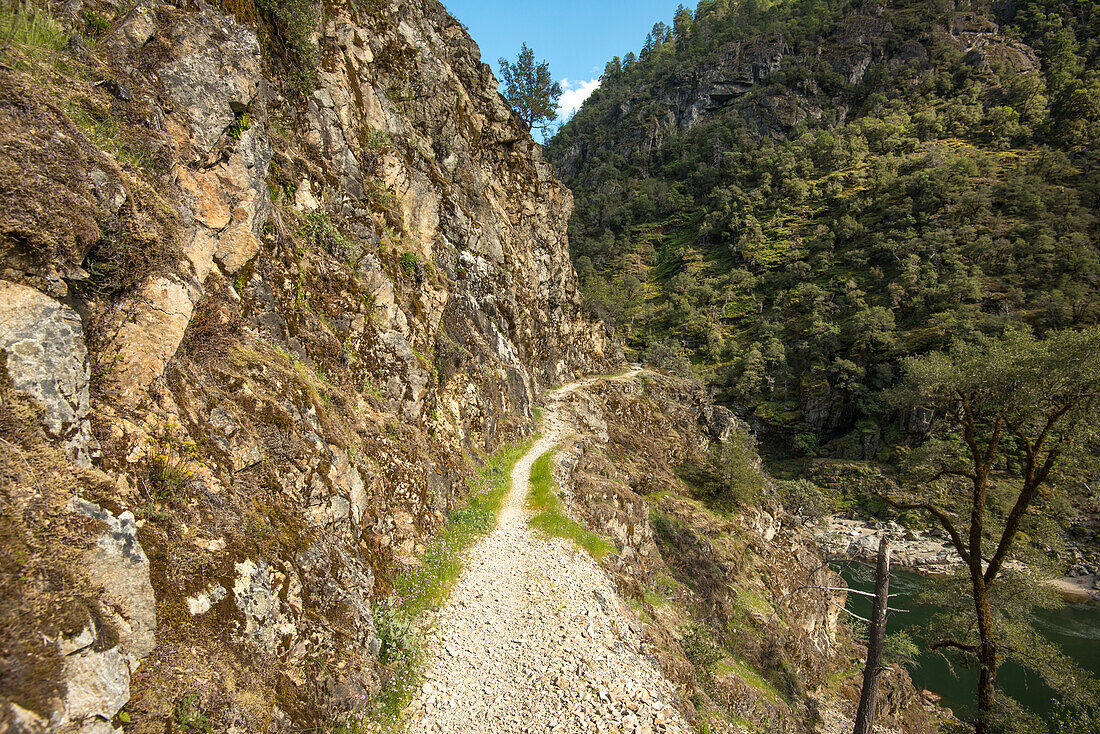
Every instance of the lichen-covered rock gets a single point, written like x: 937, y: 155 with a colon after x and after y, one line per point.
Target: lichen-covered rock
x: 120, y: 567
x: 98, y: 659
x: 214, y: 73
x: 97, y: 686
x: 45, y: 358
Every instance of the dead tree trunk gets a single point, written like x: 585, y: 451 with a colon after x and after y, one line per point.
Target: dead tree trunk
x: 876, y: 636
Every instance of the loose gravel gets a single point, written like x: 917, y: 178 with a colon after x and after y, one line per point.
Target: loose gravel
x: 534, y: 637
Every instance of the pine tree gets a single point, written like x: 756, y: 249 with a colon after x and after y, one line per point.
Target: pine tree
x: 530, y: 89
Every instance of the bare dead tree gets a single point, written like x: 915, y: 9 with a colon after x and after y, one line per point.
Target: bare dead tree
x: 876, y: 638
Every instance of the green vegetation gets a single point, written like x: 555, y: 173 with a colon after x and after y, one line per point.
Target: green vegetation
x: 241, y: 122
x: 322, y: 233
x: 410, y: 264
x: 793, y: 254
x: 170, y: 467
x: 900, y: 649
x: 293, y: 23
x: 712, y: 661
x: 530, y: 89
x: 753, y: 602
x: 729, y: 477
x: 104, y: 130
x: 550, y: 516
x: 804, y: 498
x: 31, y: 31
x: 189, y: 716
x: 863, y: 202
x: 750, y: 676
x: 1074, y: 720
x: 95, y: 24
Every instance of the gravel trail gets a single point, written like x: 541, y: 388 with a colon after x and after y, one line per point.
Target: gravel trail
x: 534, y: 637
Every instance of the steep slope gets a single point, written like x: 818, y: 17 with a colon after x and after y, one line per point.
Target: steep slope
x: 720, y: 591
x: 271, y: 282
x: 796, y: 195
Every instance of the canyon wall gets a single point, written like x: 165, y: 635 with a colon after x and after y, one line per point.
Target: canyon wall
x: 271, y: 284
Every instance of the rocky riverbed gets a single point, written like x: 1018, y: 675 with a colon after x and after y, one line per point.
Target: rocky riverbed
x: 930, y: 552
x: 843, y: 537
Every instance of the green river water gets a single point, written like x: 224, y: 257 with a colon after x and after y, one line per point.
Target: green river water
x: 1075, y: 628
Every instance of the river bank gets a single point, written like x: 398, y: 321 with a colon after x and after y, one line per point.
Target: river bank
x: 924, y: 552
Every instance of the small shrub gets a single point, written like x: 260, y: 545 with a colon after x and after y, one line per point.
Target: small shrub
x: 95, y: 24
x: 700, y: 646
x: 730, y: 476
x: 410, y: 263
x: 171, y: 467
x: 900, y: 649
x: 294, y: 22
x: 805, y: 444
x: 804, y: 498
x: 189, y: 716
x: 129, y: 249
x: 215, y: 324
x: 324, y: 235
x: 375, y: 144
x: 394, y: 629
x: 241, y: 122
x: 667, y: 355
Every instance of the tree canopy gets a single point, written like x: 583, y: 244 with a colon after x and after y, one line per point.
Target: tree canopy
x: 530, y: 89
x: 796, y: 252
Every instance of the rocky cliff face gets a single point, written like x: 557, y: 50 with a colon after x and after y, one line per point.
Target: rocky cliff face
x: 252, y: 341
x: 766, y: 82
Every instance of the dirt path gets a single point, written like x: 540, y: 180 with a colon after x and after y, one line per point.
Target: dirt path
x: 534, y: 638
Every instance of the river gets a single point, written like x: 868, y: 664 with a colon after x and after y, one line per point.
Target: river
x: 1075, y: 628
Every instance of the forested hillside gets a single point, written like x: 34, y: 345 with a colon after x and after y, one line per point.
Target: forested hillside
x: 796, y: 195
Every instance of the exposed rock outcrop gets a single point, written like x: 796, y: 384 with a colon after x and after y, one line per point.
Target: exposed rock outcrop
x: 763, y: 80
x: 42, y: 342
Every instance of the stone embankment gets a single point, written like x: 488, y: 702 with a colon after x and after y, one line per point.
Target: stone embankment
x: 534, y: 637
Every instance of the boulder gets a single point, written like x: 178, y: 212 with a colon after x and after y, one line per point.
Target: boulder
x: 119, y: 566
x: 97, y: 677
x: 46, y: 359
x: 720, y: 421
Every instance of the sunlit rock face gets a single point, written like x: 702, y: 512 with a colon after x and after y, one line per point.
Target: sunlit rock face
x: 260, y: 330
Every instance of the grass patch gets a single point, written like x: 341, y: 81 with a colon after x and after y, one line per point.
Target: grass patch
x: 750, y: 676
x: 712, y: 661
x: 550, y: 517
x: 426, y: 586
x: 654, y: 598
x: 753, y: 602
x: 33, y: 32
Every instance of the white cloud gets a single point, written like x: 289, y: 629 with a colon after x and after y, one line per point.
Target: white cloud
x: 573, y: 95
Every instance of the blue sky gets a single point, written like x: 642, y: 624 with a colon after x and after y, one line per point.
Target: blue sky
x: 577, y: 37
